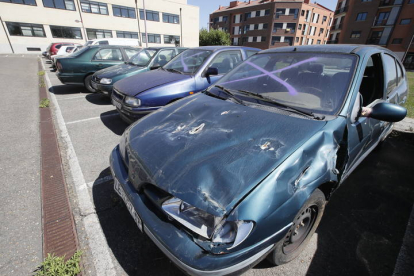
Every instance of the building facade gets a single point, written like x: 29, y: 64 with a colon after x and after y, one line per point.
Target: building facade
x: 388, y: 23
x: 274, y: 23
x: 31, y: 25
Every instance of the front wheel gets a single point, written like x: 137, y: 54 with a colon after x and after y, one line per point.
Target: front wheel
x: 304, y: 225
x: 88, y: 84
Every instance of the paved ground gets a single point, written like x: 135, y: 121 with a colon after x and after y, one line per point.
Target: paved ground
x: 360, y: 234
x: 20, y: 215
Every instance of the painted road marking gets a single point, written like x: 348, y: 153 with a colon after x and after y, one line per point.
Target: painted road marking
x: 97, y: 243
x: 93, y: 118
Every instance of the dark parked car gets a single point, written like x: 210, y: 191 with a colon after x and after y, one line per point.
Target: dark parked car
x: 190, y: 72
x: 243, y: 170
x: 79, y: 67
x: 147, y: 59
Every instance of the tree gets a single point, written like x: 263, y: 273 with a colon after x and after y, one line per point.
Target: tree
x: 214, y: 37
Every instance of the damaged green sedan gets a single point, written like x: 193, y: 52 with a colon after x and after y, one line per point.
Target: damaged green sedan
x: 221, y: 179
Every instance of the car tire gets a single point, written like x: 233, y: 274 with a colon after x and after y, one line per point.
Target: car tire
x: 88, y: 85
x: 304, y: 225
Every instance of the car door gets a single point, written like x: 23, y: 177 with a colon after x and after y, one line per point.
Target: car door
x: 106, y: 57
x: 364, y: 132
x: 224, y: 61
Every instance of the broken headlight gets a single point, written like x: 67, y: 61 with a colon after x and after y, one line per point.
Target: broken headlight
x: 208, y: 226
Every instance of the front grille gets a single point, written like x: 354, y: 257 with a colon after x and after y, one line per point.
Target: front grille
x: 118, y: 95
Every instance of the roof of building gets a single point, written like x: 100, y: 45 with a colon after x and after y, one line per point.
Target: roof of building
x: 247, y: 4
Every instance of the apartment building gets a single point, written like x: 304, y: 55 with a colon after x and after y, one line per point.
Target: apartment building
x: 274, y: 23
x: 31, y: 25
x: 388, y: 23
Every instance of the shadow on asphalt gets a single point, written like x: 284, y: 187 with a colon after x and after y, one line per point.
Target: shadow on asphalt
x: 360, y: 234
x: 98, y: 99
x: 364, y: 223
x: 113, y: 121
x: 68, y: 89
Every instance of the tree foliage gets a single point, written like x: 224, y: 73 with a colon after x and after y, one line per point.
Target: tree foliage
x: 214, y: 37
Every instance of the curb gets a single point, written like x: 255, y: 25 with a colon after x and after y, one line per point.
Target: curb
x: 59, y: 234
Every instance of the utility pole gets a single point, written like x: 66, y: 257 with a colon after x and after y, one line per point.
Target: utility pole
x: 181, y: 23
x: 139, y: 29
x: 5, y: 31
x: 81, y: 20
x: 145, y: 23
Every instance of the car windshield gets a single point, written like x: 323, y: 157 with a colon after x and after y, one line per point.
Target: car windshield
x: 142, y: 58
x: 188, y: 61
x: 315, y: 82
x: 79, y: 52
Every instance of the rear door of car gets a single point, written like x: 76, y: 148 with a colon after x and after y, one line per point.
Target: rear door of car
x: 107, y: 56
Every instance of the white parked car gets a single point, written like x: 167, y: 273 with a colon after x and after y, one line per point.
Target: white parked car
x: 113, y: 41
x: 64, y: 51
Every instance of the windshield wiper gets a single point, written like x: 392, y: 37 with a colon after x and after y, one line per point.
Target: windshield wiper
x: 290, y: 108
x: 228, y: 92
x: 174, y: 70
x: 130, y: 63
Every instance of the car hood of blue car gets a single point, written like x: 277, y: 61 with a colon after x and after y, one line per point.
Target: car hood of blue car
x: 211, y: 152
x: 134, y: 85
x: 121, y: 69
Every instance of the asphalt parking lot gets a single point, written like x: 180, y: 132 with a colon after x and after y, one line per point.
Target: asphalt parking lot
x: 361, y: 232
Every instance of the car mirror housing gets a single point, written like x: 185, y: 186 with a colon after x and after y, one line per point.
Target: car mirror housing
x: 211, y: 71
x: 388, y: 112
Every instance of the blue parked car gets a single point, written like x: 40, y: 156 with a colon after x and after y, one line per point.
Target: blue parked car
x: 188, y: 73
x: 222, y: 179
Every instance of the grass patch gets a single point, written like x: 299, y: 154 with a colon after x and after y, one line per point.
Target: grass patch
x: 56, y: 266
x: 44, y: 103
x: 410, y: 100
x: 41, y: 73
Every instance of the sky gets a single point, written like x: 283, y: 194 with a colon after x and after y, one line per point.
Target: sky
x: 208, y: 6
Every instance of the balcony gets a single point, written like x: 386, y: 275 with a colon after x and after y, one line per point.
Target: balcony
x: 332, y: 41
x: 285, y: 17
x: 389, y: 3
x: 281, y: 31
x: 374, y: 40
x: 380, y: 22
x: 276, y: 44
x: 341, y: 10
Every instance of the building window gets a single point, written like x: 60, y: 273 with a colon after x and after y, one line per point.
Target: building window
x: 170, y: 18
x: 24, y: 2
x: 296, y: 39
x: 25, y: 29
x: 397, y: 41
x: 294, y: 12
x: 265, y: 26
x: 255, y: 39
x: 318, y: 42
x: 247, y: 15
x: 324, y: 18
x: 382, y: 19
x: 302, y: 12
x: 121, y: 11
x: 246, y: 28
x: 263, y: 39
x: 366, y: 0
x: 155, y: 16
x: 410, y: 1
x: 66, y: 32
x: 94, y: 7
x: 152, y: 38
x: 95, y: 34
x: 267, y: 12
x: 122, y: 34
x: 300, y: 27
x: 225, y: 18
x: 60, y: 4
x: 362, y: 16
x: 280, y: 12
x: 171, y: 39
x: 356, y: 34
x: 405, y: 21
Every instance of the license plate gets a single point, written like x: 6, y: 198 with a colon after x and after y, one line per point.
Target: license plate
x: 120, y: 191
x: 117, y: 104
x: 94, y: 85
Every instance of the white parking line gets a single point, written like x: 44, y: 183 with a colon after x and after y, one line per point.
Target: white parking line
x: 71, y: 98
x: 97, y: 243
x: 93, y: 118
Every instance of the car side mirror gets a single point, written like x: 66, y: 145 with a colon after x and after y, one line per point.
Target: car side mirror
x: 155, y: 66
x: 211, y: 71
x: 388, y: 112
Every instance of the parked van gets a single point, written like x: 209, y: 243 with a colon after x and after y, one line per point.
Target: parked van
x: 113, y: 41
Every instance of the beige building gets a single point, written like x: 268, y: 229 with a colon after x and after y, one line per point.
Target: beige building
x: 31, y: 25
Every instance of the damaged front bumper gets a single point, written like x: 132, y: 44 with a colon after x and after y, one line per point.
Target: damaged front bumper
x: 178, y: 244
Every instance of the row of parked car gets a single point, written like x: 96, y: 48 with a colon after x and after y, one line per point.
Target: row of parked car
x: 242, y: 170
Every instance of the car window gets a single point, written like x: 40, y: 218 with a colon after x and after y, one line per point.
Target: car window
x: 103, y: 42
x: 390, y: 73
x: 163, y: 57
x: 58, y: 46
x: 142, y: 58
x: 249, y: 53
x: 317, y: 82
x: 131, y: 52
x: 108, y: 54
x: 188, y: 61
x: 226, y: 61
x: 371, y: 87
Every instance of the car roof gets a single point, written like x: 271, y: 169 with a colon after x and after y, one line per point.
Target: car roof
x: 159, y: 48
x: 217, y: 48
x: 330, y: 48
x: 112, y: 46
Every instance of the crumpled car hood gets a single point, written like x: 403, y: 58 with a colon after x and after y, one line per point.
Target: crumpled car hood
x: 134, y: 85
x: 210, y: 152
x: 117, y: 70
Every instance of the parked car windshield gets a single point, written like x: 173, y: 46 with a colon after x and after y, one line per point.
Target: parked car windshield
x: 79, y: 52
x: 188, y: 61
x: 142, y: 58
x: 315, y: 82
